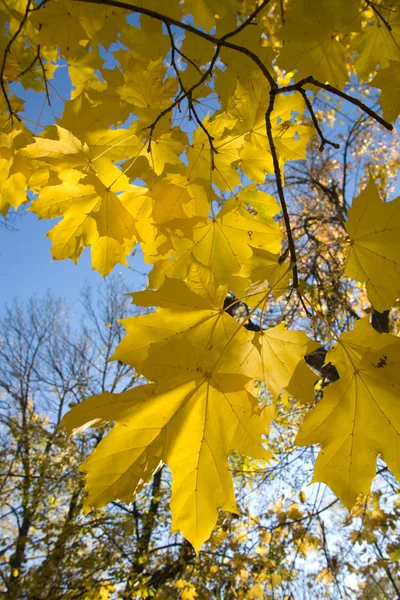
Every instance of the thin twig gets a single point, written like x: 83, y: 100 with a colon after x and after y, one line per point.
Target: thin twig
x: 7, y: 50
x: 282, y: 12
x: 29, y: 67
x: 189, y: 60
x: 207, y: 36
x: 358, y: 103
x: 44, y: 77
x: 296, y: 87
x: 188, y: 95
x: 247, y: 22
x: 39, y: 6
x: 182, y: 96
x: 379, y: 14
x: 314, y: 119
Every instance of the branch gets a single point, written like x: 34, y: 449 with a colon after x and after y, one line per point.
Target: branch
x: 379, y: 14
x: 296, y: 87
x: 279, y: 184
x: 185, y: 94
x: 46, y: 87
x: 207, y: 36
x: 323, y: 139
x: 7, y: 50
x: 188, y: 95
x: 358, y: 103
x: 247, y: 22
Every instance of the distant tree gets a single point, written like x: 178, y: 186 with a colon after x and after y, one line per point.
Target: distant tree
x: 50, y: 359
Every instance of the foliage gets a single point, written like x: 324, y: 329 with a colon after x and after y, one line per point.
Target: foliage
x: 170, y: 149
x: 287, y: 542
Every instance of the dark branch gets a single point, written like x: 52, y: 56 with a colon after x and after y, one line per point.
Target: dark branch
x: 297, y: 87
x: 7, y: 50
x: 247, y: 22
x: 279, y: 184
x: 314, y: 119
x: 44, y: 77
x: 379, y: 14
x: 182, y: 96
x: 207, y: 36
x: 188, y: 94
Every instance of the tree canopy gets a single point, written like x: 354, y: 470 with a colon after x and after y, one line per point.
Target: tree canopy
x: 179, y: 133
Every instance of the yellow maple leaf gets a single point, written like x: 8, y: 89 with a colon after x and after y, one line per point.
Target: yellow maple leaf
x: 274, y: 355
x: 261, y: 275
x: 144, y: 43
x: 222, y: 242
x: 311, y: 36
x: 218, y: 166
x: 148, y: 90
x: 358, y: 417
x: 249, y: 105
x: 15, y: 168
x: 194, y: 309
x: 165, y: 149
x: 388, y: 81
x: 373, y: 254
x: 197, y: 417
x: 90, y: 212
x: 205, y: 12
x: 377, y: 45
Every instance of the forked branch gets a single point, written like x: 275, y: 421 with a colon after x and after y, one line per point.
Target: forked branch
x: 7, y: 50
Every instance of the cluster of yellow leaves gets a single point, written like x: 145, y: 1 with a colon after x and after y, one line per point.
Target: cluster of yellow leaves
x: 169, y: 150
x: 201, y: 407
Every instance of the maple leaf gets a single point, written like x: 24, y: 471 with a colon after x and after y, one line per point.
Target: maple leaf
x: 147, y: 90
x: 373, y: 255
x: 195, y: 424
x: 222, y: 242
x: 312, y: 43
x: 378, y: 44
x: 357, y: 418
x: 93, y: 215
x: 204, y: 11
x: 218, y: 162
x: 15, y: 168
x: 262, y: 274
x: 192, y: 310
x: 387, y: 80
x: 274, y: 355
x: 250, y: 104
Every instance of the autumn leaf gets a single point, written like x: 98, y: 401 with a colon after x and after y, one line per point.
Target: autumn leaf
x: 357, y: 419
x: 192, y: 310
x: 194, y: 427
x: 373, y: 254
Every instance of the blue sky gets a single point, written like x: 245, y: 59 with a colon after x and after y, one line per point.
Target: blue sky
x: 26, y: 266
